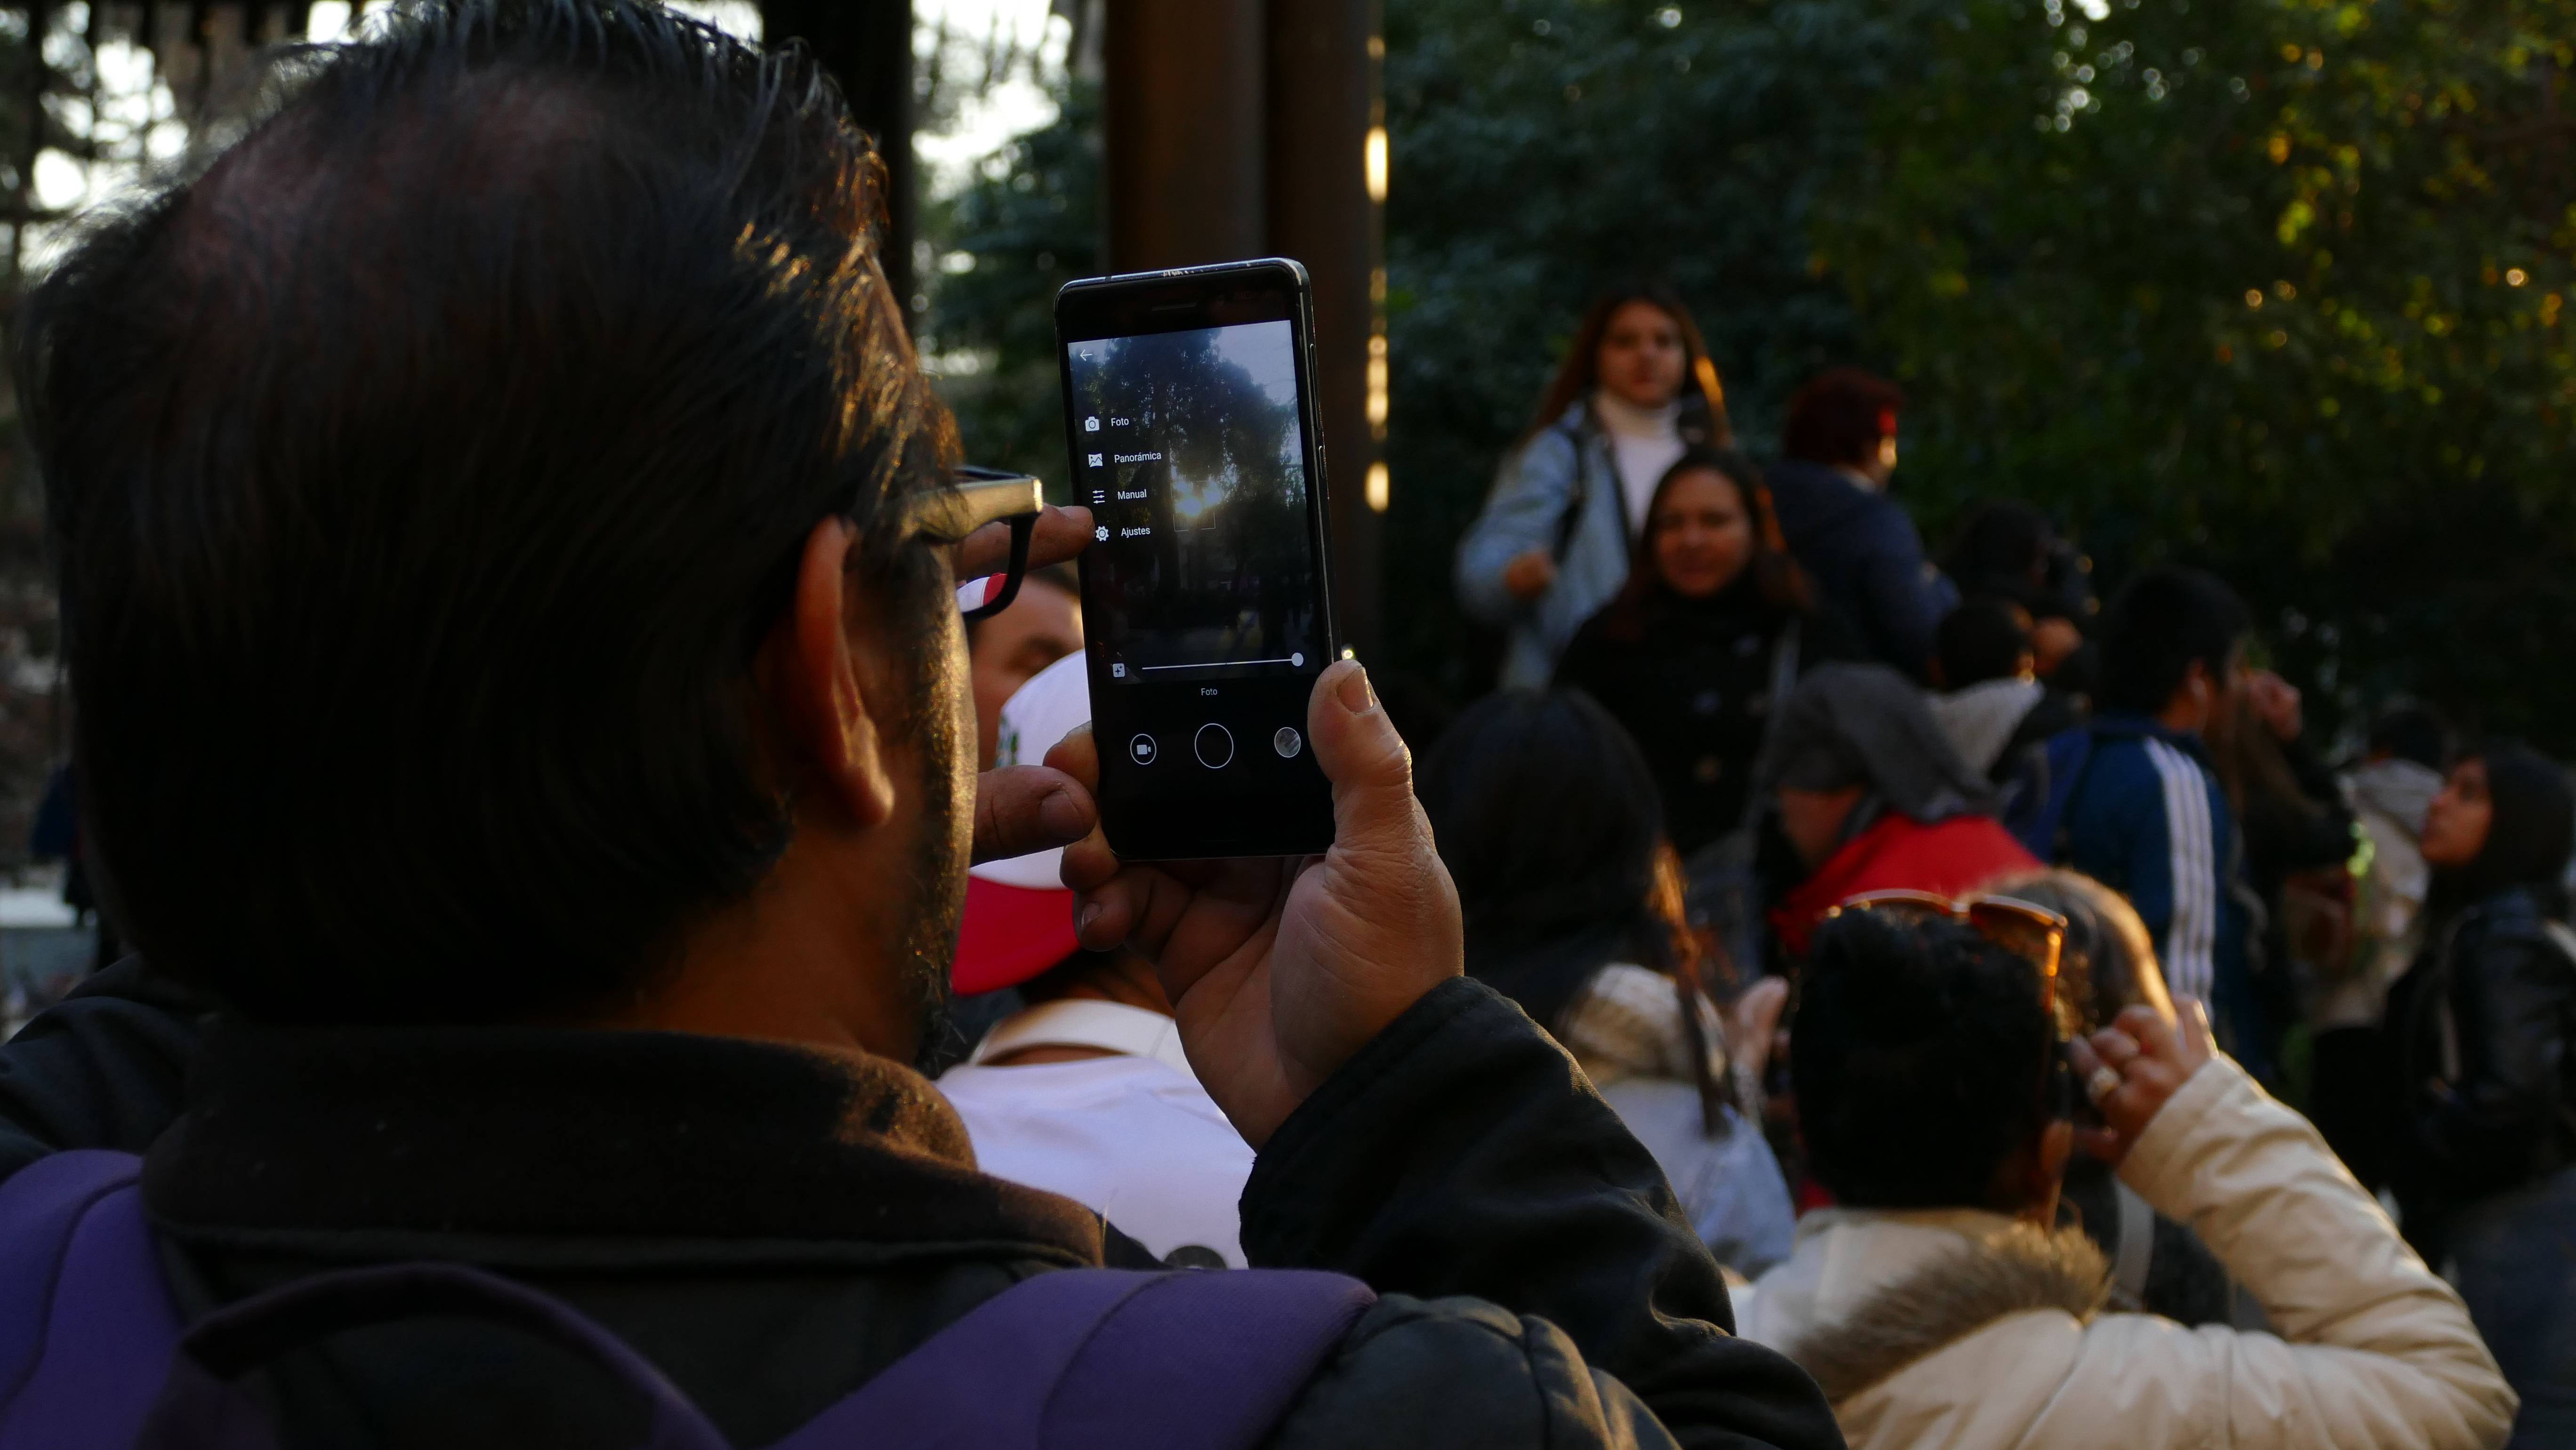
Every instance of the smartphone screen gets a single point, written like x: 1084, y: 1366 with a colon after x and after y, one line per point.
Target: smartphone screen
x: 1206, y: 601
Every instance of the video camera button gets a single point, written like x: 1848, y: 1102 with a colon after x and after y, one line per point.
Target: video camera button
x: 1214, y: 746
x: 1143, y: 750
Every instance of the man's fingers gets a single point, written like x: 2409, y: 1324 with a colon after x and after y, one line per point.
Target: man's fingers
x: 1371, y: 771
x: 1025, y: 808
x: 1059, y: 534
x: 1077, y: 756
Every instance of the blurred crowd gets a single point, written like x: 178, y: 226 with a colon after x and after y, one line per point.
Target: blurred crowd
x: 1735, y: 700
x: 1904, y: 1002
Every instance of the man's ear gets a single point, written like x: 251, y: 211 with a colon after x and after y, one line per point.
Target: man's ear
x: 811, y: 670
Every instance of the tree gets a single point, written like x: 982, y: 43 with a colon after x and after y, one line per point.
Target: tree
x: 1544, y: 150
x: 1024, y: 225
x: 2274, y: 285
x: 2233, y: 281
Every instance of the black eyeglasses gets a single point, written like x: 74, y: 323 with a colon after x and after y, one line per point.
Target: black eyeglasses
x: 977, y: 497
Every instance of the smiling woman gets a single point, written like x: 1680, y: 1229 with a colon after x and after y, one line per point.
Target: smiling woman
x: 1692, y: 652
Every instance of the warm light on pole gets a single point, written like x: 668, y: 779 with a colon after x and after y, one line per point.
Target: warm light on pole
x: 1373, y: 163
x: 1377, y: 488
x: 1377, y: 386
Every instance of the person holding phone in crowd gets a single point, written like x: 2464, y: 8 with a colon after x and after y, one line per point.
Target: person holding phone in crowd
x: 558, y: 770
x: 1558, y: 533
x: 1942, y: 1301
x: 1712, y: 629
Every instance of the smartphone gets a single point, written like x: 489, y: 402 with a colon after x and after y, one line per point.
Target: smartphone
x: 1189, y: 410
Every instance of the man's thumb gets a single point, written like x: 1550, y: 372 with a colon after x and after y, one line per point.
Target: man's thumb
x: 1371, y: 771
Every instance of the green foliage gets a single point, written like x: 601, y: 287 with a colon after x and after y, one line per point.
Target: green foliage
x: 2252, y: 306
x: 1026, y: 224
x: 1544, y: 150
x: 2272, y: 284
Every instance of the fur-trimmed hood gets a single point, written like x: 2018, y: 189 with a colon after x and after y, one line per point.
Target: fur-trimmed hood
x: 1952, y: 1296
x: 1869, y: 1293
x: 1963, y: 1330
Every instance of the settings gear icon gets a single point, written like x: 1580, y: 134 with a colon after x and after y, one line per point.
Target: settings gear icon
x: 1101, y: 533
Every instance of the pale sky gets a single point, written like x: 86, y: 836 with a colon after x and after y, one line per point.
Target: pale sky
x: 136, y: 102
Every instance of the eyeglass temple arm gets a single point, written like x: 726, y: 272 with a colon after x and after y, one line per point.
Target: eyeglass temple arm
x: 1023, y: 526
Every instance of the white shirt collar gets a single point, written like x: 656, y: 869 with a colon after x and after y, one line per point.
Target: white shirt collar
x: 1087, y: 1022
x: 1628, y: 420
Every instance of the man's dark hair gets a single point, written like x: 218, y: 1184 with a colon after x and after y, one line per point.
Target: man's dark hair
x: 2165, y: 622
x: 1918, y: 1051
x: 2410, y: 731
x: 1981, y: 640
x: 1840, y: 416
x: 423, y: 477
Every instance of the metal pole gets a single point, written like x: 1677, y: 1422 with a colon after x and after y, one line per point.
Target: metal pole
x: 1326, y: 189
x: 1185, y: 128
x: 866, y: 45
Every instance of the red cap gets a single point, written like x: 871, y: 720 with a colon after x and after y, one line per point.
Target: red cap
x: 1011, y: 934
x: 1019, y: 917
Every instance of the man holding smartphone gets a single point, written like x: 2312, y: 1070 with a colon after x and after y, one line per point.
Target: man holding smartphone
x: 508, y: 570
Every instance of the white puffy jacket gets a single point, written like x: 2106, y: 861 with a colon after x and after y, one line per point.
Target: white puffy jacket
x: 1966, y: 1330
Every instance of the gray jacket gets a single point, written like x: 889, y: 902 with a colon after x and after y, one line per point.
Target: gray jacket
x: 1527, y: 510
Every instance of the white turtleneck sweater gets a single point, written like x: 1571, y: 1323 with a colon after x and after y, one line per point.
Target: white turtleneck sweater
x: 1644, y: 442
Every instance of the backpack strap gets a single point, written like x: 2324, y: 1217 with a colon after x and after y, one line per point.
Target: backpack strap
x: 87, y: 1327
x: 1082, y: 1358
x: 1578, y: 490
x: 93, y: 1356
x: 200, y: 1408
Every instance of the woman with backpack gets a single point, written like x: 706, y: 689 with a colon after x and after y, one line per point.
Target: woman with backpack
x: 1557, y: 534
x: 2485, y: 1156
x: 1714, y: 624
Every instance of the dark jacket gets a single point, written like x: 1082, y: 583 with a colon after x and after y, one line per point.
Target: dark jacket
x: 2487, y: 1020
x: 1866, y: 558
x: 772, y: 1225
x: 100, y: 1069
x: 1693, y: 687
x: 2145, y: 815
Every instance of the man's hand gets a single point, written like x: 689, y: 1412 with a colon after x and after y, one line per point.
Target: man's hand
x: 2152, y: 1059
x: 1529, y: 575
x: 1279, y: 970
x: 1059, y: 535
x: 1025, y: 808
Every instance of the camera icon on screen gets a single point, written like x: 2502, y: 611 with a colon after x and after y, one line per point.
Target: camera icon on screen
x: 1090, y: 425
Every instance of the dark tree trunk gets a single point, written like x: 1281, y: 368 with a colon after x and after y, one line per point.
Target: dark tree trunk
x: 866, y: 45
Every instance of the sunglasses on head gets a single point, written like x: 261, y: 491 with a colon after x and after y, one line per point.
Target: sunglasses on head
x: 2029, y: 931
x: 977, y: 497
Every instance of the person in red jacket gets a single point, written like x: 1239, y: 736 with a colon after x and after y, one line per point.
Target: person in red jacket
x: 1870, y: 795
